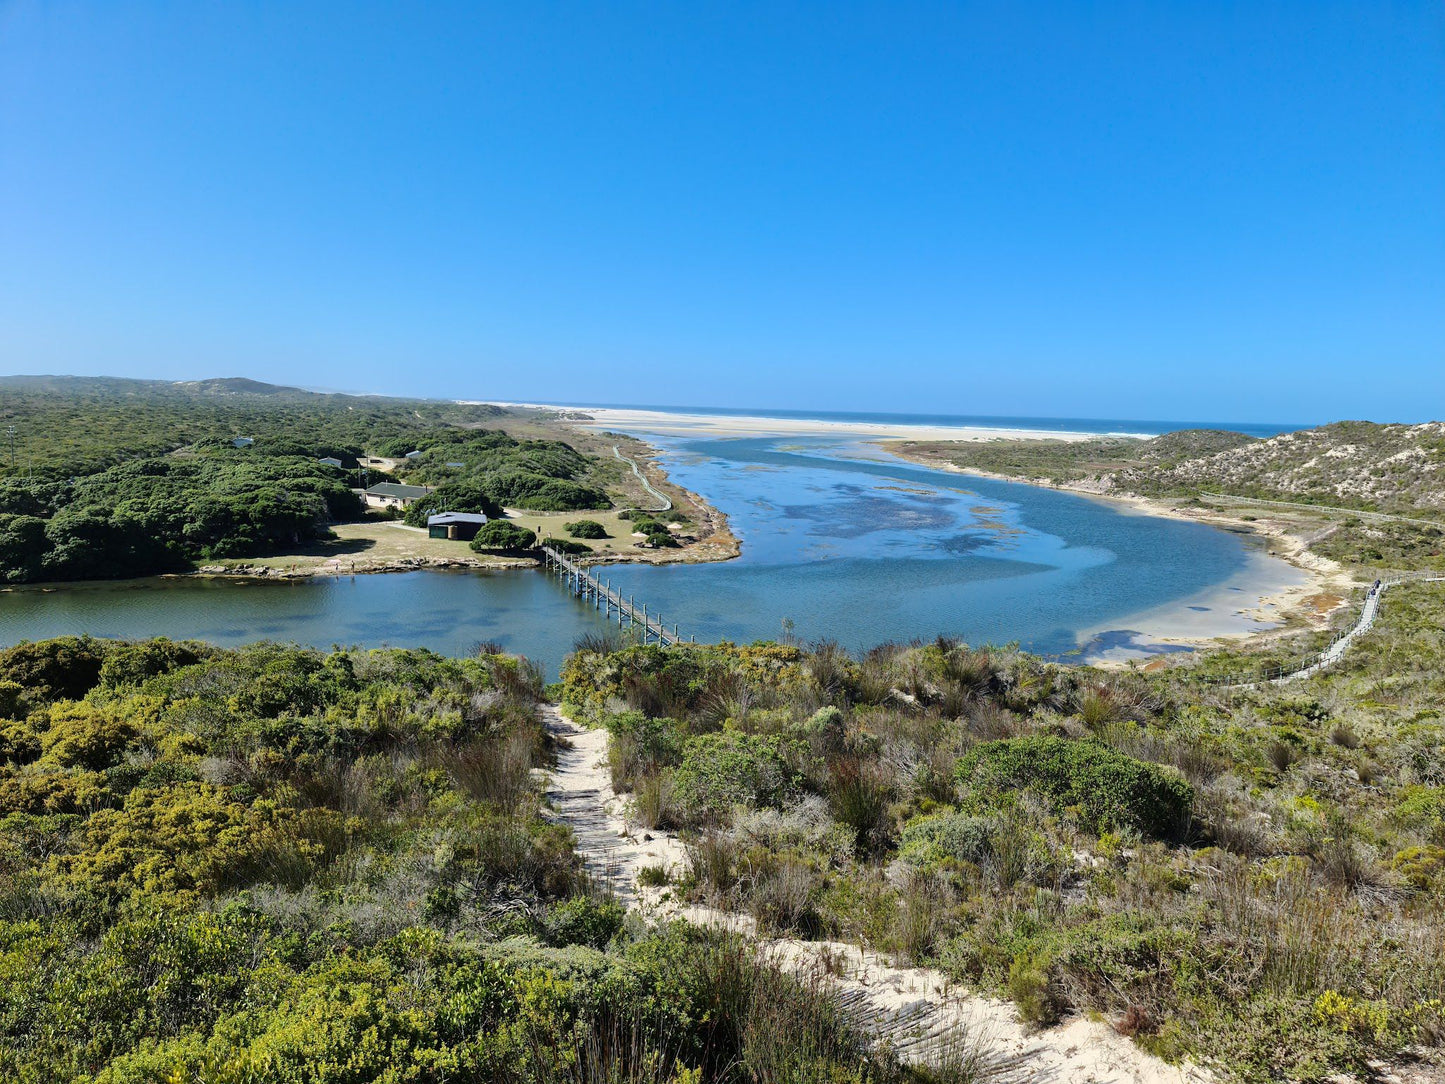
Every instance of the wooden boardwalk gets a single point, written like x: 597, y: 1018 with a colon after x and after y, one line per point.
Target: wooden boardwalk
x: 586, y: 585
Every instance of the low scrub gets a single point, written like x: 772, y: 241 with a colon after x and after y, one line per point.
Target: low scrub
x: 1105, y: 788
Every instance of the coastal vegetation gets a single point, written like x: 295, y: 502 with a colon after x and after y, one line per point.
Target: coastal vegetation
x: 1251, y: 877
x: 116, y: 478
x: 585, y: 528
x: 281, y: 864
x: 1398, y: 469
x: 338, y: 865
x: 500, y: 536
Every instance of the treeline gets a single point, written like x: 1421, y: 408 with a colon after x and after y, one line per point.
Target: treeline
x: 158, y: 515
x: 126, y: 478
x: 282, y: 865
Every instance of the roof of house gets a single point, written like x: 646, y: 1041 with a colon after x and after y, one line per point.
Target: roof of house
x: 330, y: 459
x: 414, y: 453
x: 396, y: 489
x: 443, y: 518
x: 242, y: 442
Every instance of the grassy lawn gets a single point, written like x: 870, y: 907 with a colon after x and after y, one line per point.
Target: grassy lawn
x: 551, y: 525
x: 365, y: 546
x: 369, y: 545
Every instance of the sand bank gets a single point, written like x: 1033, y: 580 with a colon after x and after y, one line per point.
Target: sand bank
x: 1282, y: 585
x: 745, y: 425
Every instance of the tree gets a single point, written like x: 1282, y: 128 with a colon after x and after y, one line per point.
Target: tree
x: 585, y: 528
x: 501, y: 535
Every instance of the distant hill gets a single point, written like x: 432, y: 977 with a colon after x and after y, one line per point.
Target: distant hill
x: 1363, y: 465
x: 1390, y: 468
x: 70, y: 425
x: 240, y: 385
x: 1186, y: 444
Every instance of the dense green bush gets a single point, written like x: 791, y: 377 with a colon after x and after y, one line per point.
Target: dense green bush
x: 585, y: 528
x: 284, y: 865
x: 718, y: 771
x: 502, y: 536
x: 539, y: 492
x: 1106, y: 787
x: 564, y: 545
x: 155, y: 515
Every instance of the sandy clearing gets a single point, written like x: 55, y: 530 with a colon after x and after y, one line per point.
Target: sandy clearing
x: 917, y: 1012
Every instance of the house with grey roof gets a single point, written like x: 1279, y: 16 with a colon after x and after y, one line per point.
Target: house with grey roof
x: 394, y: 495
x: 459, y: 526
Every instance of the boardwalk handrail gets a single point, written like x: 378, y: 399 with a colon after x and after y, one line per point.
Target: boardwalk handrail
x: 1335, y: 649
x: 583, y: 583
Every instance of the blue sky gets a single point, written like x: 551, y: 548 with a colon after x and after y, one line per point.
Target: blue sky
x: 1178, y: 210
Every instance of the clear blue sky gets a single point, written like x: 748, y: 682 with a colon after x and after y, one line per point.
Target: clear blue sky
x: 1181, y: 210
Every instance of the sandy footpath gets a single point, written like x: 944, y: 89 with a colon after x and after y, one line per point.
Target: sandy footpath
x: 919, y: 1013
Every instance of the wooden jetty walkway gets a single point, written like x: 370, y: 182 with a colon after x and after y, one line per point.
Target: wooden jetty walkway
x: 585, y: 584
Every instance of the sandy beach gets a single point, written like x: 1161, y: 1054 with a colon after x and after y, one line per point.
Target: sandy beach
x: 746, y: 425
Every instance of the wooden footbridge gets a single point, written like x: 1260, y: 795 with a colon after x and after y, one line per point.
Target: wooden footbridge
x: 585, y: 584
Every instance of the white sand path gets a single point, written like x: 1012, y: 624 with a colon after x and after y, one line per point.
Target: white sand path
x: 918, y: 1012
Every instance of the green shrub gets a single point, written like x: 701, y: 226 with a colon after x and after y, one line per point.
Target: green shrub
x: 501, y: 536
x: 661, y: 540
x: 1105, y: 787
x: 585, y: 528
x: 1031, y: 990
x: 584, y: 920
x: 564, y: 545
x: 946, y: 839
x: 718, y: 771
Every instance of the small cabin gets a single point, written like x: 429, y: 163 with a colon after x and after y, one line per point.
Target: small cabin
x: 241, y: 442
x: 415, y: 453
x: 329, y: 461
x: 457, y: 526
x: 394, y: 495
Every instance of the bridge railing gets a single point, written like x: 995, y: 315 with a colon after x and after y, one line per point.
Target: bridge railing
x: 585, y: 584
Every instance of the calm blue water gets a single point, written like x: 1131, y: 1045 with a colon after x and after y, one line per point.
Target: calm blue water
x: 445, y: 610
x: 839, y: 539
x: 860, y: 550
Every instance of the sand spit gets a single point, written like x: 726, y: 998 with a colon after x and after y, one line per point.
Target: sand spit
x: 917, y: 1012
x: 749, y: 425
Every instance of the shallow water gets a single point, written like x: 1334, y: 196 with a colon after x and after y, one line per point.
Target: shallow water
x: 448, y: 611
x: 844, y: 542
x: 840, y: 541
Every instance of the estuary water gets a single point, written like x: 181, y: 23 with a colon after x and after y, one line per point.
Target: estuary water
x: 840, y: 541
x: 843, y: 541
